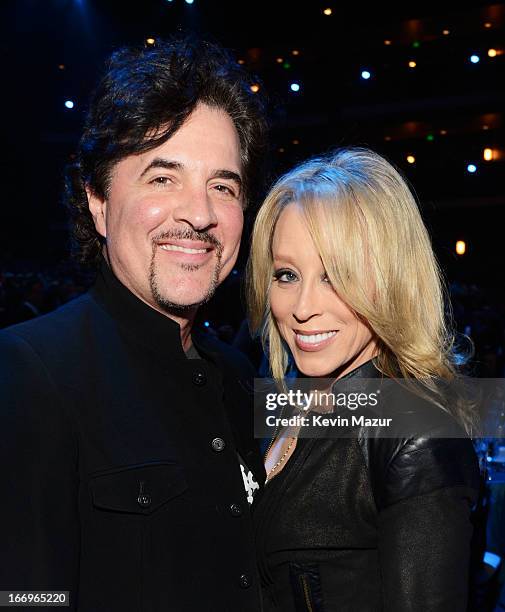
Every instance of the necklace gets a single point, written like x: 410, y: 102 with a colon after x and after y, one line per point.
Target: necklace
x: 283, y: 457
x: 276, y: 437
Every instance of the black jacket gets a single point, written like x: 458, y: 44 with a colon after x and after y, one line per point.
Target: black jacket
x: 118, y: 461
x: 364, y: 524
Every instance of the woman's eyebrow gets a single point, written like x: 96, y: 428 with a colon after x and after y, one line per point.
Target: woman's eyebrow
x: 283, y: 257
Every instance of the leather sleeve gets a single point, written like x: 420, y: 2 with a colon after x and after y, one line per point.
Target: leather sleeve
x: 425, y: 499
x: 39, y: 525
x: 424, y: 552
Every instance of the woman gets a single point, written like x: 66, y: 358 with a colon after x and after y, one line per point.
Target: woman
x: 343, y: 281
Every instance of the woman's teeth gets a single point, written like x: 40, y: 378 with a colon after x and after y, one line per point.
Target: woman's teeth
x: 173, y: 247
x: 315, y: 338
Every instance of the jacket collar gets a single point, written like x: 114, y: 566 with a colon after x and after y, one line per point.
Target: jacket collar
x: 365, y: 370
x: 149, y: 327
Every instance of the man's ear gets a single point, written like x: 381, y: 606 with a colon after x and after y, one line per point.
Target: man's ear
x: 98, y: 209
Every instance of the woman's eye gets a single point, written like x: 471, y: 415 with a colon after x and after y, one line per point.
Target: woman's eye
x: 285, y: 276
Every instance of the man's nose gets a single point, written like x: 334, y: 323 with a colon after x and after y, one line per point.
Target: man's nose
x: 307, y: 304
x: 196, y: 209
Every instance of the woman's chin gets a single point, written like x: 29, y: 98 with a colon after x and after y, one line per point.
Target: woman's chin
x: 312, y: 371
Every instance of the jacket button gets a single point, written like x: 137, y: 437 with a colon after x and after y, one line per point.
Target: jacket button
x: 236, y: 509
x: 144, y: 500
x: 199, y: 378
x: 244, y: 581
x: 218, y: 444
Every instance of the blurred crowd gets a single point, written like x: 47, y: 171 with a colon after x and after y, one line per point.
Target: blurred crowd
x: 26, y: 294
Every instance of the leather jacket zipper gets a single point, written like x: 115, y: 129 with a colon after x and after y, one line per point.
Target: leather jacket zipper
x: 306, y: 593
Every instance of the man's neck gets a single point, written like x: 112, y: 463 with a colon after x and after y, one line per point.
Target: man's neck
x: 185, y: 321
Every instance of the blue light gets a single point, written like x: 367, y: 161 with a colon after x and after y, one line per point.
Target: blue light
x: 471, y: 168
x: 475, y: 59
x: 491, y: 559
x: 207, y: 324
x: 295, y: 87
x: 234, y: 272
x: 69, y: 104
x: 189, y: 1
x: 365, y: 74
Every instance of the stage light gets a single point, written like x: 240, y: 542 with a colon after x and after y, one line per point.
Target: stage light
x: 279, y: 60
x: 295, y: 87
x: 327, y: 11
x: 443, y: 132
x: 281, y: 150
x: 61, y: 66
x: 487, y: 24
x: 365, y: 74
x: 416, y: 44
x: 150, y: 41
x: 207, y: 324
x: 241, y: 62
x: 475, y: 59
x: 488, y: 154
x: 286, y: 65
x: 295, y: 141
x: 471, y: 168
x: 492, y: 53
x: 446, y: 32
x: 387, y: 42
x: 412, y: 64
x: 189, y: 1
x: 255, y: 87
x: 430, y: 137
x: 295, y: 52
x: 460, y: 247
x: 411, y: 159
x: 69, y: 104
x: 485, y: 127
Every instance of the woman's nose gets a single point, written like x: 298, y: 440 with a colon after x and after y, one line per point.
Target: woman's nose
x: 307, y: 304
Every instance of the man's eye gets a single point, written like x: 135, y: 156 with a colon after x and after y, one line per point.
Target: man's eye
x: 160, y: 180
x: 225, y: 190
x: 285, y: 276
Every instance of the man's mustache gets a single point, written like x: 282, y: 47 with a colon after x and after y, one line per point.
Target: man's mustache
x: 189, y: 234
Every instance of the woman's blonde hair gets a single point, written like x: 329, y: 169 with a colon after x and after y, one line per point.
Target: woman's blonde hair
x: 376, y: 252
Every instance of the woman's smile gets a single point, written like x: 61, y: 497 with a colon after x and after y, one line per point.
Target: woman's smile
x: 314, y: 340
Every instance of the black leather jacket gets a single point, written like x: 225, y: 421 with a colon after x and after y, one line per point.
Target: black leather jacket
x: 367, y: 524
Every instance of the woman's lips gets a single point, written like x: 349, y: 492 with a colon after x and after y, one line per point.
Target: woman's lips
x: 314, y: 341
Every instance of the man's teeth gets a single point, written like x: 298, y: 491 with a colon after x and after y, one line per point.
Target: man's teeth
x: 173, y: 247
x: 315, y: 338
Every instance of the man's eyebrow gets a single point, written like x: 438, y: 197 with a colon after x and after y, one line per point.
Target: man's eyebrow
x: 230, y: 175
x: 160, y: 162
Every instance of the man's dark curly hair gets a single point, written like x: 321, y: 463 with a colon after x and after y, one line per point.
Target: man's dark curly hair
x: 145, y: 96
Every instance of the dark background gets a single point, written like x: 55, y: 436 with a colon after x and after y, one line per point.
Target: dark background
x: 444, y: 111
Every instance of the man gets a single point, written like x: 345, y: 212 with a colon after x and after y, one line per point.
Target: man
x: 127, y: 456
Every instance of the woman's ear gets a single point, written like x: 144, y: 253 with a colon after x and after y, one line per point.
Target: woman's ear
x: 97, y: 208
